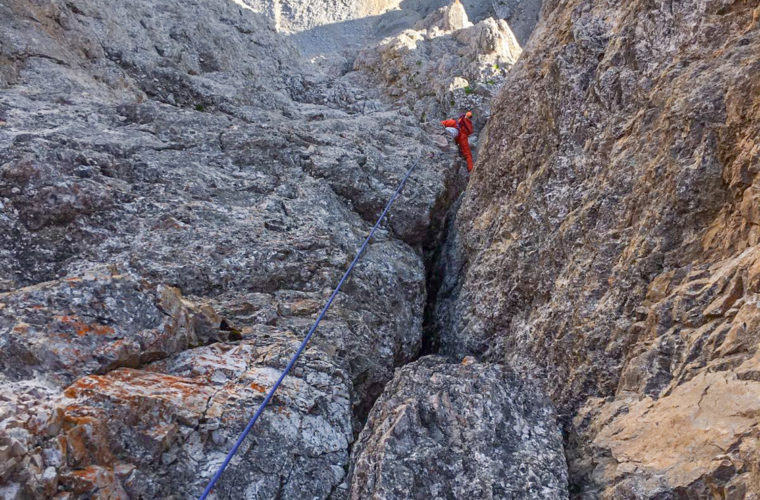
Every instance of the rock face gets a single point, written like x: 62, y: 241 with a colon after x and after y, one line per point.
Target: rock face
x: 180, y: 191
x: 324, y: 28
x: 62, y: 330
x: 444, y: 430
x: 607, y: 243
x: 178, y: 196
x: 522, y: 16
x: 444, y: 65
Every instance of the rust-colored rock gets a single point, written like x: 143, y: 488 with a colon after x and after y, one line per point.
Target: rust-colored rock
x: 93, y: 323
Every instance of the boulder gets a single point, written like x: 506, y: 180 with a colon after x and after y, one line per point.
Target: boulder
x: 469, y: 430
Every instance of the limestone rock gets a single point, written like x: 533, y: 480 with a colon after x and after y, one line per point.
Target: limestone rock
x: 606, y: 243
x: 179, y: 193
x: 162, y: 430
x: 103, y: 320
x: 472, y: 430
x: 455, y: 17
x: 325, y: 29
x: 698, y: 439
x: 443, y: 67
x: 521, y: 15
x: 178, y: 197
x: 689, y: 386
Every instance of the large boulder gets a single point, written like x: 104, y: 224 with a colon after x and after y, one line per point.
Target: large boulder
x: 163, y: 429
x: 471, y: 430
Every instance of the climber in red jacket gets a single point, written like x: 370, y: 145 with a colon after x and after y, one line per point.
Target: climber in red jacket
x: 460, y: 129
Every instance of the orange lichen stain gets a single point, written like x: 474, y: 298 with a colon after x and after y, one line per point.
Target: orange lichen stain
x: 88, y: 385
x: 128, y: 384
x: 83, y: 329
x: 76, y: 415
x: 77, y: 448
x: 63, y: 447
x: 21, y: 328
x: 258, y: 387
x: 71, y: 421
x: 90, y: 473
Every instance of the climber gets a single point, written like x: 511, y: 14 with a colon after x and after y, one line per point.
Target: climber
x: 460, y: 129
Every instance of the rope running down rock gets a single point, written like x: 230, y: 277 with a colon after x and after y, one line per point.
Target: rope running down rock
x: 306, y: 339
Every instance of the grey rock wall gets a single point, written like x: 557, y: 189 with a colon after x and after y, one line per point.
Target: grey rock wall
x: 179, y: 193
x: 186, y: 149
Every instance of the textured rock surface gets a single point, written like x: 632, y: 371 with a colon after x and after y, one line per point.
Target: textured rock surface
x: 173, y: 179
x: 179, y: 192
x: 471, y: 430
x: 444, y: 65
x: 61, y: 330
x: 522, y: 16
x: 161, y: 430
x: 607, y: 242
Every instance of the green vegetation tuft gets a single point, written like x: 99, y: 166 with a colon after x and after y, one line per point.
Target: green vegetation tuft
x: 468, y: 90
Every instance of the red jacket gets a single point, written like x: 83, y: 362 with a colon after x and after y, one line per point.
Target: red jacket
x: 464, y: 125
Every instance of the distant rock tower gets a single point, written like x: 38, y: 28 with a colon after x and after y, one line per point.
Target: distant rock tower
x: 456, y: 17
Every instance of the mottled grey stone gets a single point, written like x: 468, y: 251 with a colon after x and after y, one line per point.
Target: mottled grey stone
x: 443, y: 430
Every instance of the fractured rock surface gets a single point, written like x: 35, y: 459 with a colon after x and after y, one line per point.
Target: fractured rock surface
x: 322, y: 27
x: 607, y: 242
x: 443, y: 430
x: 179, y: 193
x: 443, y: 65
x: 61, y: 330
x: 178, y: 196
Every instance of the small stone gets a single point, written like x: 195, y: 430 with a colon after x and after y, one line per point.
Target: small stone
x: 49, y: 481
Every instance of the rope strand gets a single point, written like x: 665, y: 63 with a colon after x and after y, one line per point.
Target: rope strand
x: 306, y: 339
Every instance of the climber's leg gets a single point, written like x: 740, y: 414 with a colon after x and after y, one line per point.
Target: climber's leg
x: 464, y: 147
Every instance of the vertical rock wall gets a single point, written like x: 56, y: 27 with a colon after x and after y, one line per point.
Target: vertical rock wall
x: 607, y: 243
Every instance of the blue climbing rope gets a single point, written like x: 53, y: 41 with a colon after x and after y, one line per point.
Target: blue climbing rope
x: 306, y: 339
